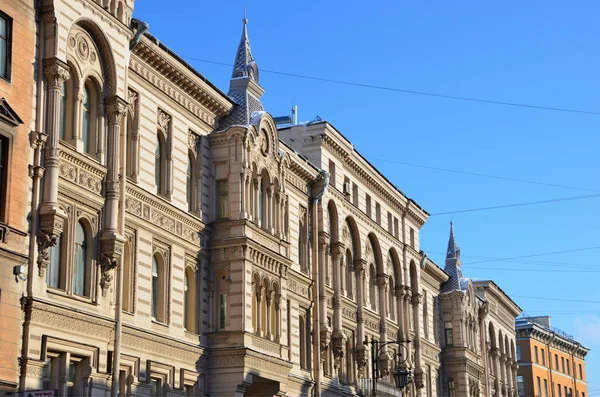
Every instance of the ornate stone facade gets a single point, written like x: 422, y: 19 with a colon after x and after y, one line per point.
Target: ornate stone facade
x: 189, y: 245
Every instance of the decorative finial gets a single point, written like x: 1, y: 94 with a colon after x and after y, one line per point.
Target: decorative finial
x: 245, y: 20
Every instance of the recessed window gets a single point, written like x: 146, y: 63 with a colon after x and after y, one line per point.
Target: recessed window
x: 332, y: 173
x: 4, y: 150
x: 81, y: 258
x: 63, y: 111
x: 54, y: 271
x: 5, y: 45
x: 451, y: 388
x: 448, y: 333
x: 543, y: 358
x: 222, y: 200
x: 191, y: 182
x: 158, y: 308
x: 368, y: 205
x: 521, y: 387
x: 518, y: 353
x: 86, y: 116
x: 159, y: 164
x: 378, y: 213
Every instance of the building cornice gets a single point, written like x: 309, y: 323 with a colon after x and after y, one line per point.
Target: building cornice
x: 162, y: 70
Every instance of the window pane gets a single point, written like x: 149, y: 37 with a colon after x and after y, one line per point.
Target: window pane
x: 3, y: 26
x: 3, y: 57
x: 158, y: 165
x: 63, y: 110
x: 154, y: 288
x: 54, y: 271
x: 85, y: 120
x: 223, y: 310
x: 80, y: 260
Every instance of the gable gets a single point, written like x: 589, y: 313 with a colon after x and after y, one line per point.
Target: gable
x: 8, y: 115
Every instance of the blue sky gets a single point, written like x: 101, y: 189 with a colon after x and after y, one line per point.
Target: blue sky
x: 544, y: 53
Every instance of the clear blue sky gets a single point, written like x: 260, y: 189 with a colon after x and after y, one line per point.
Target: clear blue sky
x: 544, y: 53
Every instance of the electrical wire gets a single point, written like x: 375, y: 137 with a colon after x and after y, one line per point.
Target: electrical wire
x: 523, y: 204
x: 405, y: 91
x: 503, y: 178
x: 553, y: 299
x: 534, y: 255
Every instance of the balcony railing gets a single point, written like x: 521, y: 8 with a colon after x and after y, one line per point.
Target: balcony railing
x: 384, y: 389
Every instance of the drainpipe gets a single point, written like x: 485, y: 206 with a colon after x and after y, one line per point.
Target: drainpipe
x: 324, y: 176
x: 36, y: 170
x: 141, y: 27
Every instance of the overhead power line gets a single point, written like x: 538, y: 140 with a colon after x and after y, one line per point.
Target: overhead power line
x: 553, y: 299
x: 535, y: 270
x: 533, y: 255
x: 523, y: 204
x: 504, y: 178
x: 405, y: 91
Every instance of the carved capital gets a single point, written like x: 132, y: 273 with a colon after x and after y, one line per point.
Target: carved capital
x: 51, y: 226
x: 110, y: 257
x: 399, y: 290
x: 116, y: 109
x: 323, y: 241
x: 359, y: 266
x: 163, y: 120
x: 416, y: 299
x: 132, y: 97
x: 337, y: 250
x: 56, y: 73
x: 382, y: 281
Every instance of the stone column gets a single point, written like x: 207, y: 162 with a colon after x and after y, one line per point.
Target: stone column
x: 325, y: 330
x: 509, y: 381
x: 100, y: 133
x: 382, y: 286
x: 51, y: 215
x: 269, y: 298
x: 258, y: 201
x: 399, y: 292
x: 339, y: 338
x: 77, y: 134
x: 494, y: 354
x: 242, y: 195
x: 278, y: 318
x: 360, y: 266
x: 259, y: 297
x: 419, y: 378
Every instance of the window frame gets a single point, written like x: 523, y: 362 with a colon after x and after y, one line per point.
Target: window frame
x: 8, y: 39
x: 5, y: 150
x: 448, y: 333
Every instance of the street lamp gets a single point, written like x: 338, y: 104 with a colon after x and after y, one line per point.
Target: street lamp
x: 402, y: 377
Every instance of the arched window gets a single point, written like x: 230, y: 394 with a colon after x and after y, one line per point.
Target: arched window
x: 127, y: 279
x: 255, y: 286
x: 54, y: 271
x: 191, y: 189
x: 263, y: 201
x: 263, y: 308
x: 189, y: 300
x: 63, y: 111
x: 81, y: 260
x: 159, y: 162
x: 158, y: 309
x: 349, y: 275
x: 391, y: 300
x: 373, y: 288
x: 130, y: 161
x: 86, y: 119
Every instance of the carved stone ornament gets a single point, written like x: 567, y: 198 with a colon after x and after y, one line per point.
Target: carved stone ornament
x: 361, y: 362
x: 112, y: 250
x: 163, y: 120
x: 116, y: 108
x: 192, y: 140
x: 56, y: 72
x: 44, y: 242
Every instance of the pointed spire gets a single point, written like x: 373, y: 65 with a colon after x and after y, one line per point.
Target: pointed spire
x: 244, y: 89
x: 244, y: 65
x: 452, y: 251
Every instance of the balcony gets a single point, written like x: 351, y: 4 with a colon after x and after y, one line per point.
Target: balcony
x: 384, y: 389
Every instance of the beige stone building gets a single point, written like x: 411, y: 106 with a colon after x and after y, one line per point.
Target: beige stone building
x: 479, y: 356
x: 187, y: 244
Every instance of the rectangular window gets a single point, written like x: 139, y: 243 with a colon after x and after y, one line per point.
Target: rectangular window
x: 156, y: 387
x: 368, y: 205
x: 545, y: 388
x: 570, y: 392
x: 556, y: 362
x: 565, y: 388
x: 4, y: 143
x: 518, y: 353
x: 390, y: 224
x: 539, y: 387
x: 537, y: 359
x: 396, y: 227
x: 378, y: 213
x: 568, y: 368
x: 543, y: 358
x: 355, y: 194
x: 562, y: 361
x: 5, y: 45
x: 520, y: 386
x: 412, y: 237
x: 580, y: 372
x: 559, y: 390
x: 222, y: 310
x: 332, y: 173
x: 222, y: 200
x: 448, y: 333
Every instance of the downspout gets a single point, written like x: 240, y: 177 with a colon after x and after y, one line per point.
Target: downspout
x: 37, y: 140
x: 323, y: 175
x: 116, y: 364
